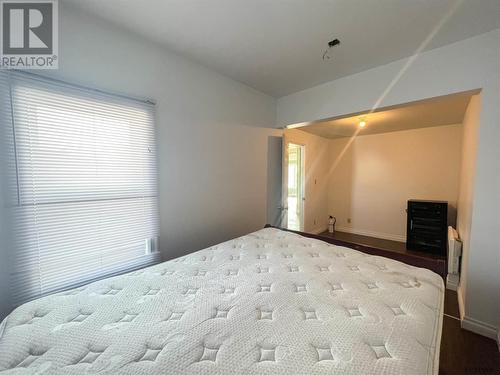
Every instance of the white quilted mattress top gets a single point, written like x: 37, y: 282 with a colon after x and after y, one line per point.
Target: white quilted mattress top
x: 271, y: 302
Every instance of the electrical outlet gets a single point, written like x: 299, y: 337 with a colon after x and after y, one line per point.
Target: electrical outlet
x: 348, y: 220
x: 314, y: 221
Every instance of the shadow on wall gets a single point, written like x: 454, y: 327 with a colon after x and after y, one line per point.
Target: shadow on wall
x: 452, y: 215
x: 274, y: 171
x: 341, y: 181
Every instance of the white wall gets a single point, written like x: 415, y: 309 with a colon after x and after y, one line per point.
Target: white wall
x: 316, y: 178
x: 371, y: 182
x: 466, y: 188
x: 211, y: 130
x: 466, y: 65
x: 213, y: 135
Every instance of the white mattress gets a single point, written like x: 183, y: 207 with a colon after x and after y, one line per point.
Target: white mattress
x: 271, y: 302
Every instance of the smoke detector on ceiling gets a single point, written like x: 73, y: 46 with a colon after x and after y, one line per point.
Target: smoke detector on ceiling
x: 328, y: 54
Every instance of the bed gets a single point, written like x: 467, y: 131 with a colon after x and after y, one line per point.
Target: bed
x: 270, y: 302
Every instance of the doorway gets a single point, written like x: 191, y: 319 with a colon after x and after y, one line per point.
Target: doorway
x: 295, y: 186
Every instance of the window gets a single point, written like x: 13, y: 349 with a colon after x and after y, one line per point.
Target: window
x: 85, y: 199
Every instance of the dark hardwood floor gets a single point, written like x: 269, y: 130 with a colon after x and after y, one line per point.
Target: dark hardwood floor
x: 391, y: 249
x: 380, y: 243
x: 464, y: 352
x: 399, y: 247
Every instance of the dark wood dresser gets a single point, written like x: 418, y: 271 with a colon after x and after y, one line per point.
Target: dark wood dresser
x: 427, y: 226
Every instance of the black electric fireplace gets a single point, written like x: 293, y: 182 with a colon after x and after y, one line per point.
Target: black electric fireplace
x: 427, y: 226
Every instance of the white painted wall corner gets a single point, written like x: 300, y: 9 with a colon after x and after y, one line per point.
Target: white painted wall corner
x: 480, y: 328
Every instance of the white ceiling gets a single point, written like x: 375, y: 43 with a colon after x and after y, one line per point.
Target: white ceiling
x: 276, y: 46
x: 444, y: 110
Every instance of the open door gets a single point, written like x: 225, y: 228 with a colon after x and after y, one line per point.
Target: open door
x: 293, y: 198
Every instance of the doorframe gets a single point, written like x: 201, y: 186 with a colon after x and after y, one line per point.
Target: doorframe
x: 286, y: 143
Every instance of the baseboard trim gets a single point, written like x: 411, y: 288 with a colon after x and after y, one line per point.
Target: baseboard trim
x: 474, y: 325
x: 480, y: 328
x: 385, y: 236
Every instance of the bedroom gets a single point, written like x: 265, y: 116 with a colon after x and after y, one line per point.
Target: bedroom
x: 221, y: 100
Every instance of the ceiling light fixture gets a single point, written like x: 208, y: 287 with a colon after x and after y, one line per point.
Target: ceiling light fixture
x: 362, y: 123
x: 328, y: 52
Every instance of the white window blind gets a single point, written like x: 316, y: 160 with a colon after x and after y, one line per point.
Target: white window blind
x: 86, y: 202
